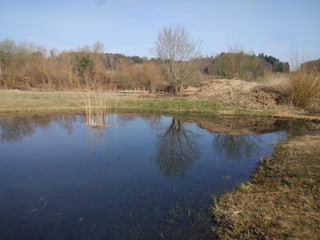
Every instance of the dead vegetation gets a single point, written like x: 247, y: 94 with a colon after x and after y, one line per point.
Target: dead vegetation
x: 298, y: 91
x: 281, y: 202
x: 239, y: 93
x: 95, y: 112
x: 305, y: 87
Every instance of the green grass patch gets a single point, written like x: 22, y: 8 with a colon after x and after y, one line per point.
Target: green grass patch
x: 13, y: 101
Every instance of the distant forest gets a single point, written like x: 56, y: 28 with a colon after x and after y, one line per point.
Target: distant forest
x: 25, y: 66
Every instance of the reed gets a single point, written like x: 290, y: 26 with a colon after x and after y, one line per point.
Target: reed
x: 96, y: 110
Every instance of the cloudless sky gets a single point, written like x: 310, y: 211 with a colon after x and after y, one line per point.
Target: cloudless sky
x: 281, y: 28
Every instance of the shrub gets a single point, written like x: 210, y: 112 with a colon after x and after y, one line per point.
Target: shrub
x: 240, y: 65
x: 145, y: 76
x: 305, y: 86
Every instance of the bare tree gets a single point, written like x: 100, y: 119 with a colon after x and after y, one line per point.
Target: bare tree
x: 176, y: 50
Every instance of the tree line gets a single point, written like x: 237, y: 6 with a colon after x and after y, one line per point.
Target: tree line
x: 177, y: 62
x: 241, y: 65
x: 25, y: 66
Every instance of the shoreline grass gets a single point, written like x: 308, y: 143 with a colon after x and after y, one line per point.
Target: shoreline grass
x: 30, y: 102
x: 282, y: 201
x: 13, y: 101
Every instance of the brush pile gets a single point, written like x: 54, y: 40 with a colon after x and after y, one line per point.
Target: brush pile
x: 237, y: 93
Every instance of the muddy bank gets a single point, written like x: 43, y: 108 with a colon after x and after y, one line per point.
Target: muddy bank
x: 281, y: 202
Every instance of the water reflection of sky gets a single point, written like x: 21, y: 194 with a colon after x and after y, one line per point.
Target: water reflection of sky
x: 59, y: 179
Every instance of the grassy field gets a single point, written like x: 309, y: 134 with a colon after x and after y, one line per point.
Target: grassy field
x: 281, y: 202
x: 26, y: 102
x: 13, y: 102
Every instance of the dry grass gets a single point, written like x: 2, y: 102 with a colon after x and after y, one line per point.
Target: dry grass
x: 217, y: 97
x: 279, y: 81
x: 281, y: 202
x: 274, y: 79
x: 305, y: 86
x: 15, y: 102
x: 239, y: 93
x: 96, y: 109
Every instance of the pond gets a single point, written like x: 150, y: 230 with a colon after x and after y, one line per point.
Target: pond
x: 139, y: 177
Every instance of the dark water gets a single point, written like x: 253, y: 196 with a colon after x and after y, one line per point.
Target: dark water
x: 142, y: 177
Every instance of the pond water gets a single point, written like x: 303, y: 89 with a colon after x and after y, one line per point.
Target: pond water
x: 140, y: 177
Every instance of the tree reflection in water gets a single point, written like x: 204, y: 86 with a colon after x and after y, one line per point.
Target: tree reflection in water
x: 236, y: 147
x: 177, y: 150
x: 14, y: 129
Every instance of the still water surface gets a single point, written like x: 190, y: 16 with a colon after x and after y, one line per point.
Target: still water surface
x: 141, y: 177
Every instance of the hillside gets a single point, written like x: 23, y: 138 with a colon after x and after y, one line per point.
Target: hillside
x: 312, y: 65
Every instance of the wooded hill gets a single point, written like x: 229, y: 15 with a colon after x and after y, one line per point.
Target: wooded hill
x: 25, y: 66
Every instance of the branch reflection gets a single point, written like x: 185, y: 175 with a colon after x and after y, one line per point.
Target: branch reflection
x: 14, y: 129
x: 177, y: 150
x: 236, y: 147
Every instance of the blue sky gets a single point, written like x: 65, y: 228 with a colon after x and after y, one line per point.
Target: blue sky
x: 281, y: 28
